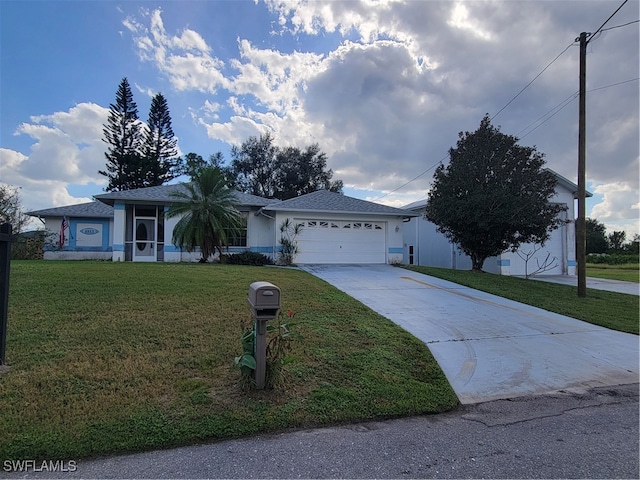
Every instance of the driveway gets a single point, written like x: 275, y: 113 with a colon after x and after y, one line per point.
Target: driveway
x: 490, y: 347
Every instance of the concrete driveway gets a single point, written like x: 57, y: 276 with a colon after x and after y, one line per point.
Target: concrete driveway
x: 489, y: 347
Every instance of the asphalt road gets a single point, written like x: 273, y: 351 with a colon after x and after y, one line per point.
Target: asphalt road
x: 571, y: 434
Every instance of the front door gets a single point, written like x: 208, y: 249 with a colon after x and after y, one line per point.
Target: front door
x: 144, y: 240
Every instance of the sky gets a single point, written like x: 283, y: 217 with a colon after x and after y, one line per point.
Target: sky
x: 383, y: 86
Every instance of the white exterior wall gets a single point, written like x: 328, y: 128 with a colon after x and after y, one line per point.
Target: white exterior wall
x: 171, y: 252
x: 434, y: 249
x: 119, y: 224
x: 261, y: 234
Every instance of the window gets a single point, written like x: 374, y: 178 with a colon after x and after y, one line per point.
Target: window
x: 238, y: 238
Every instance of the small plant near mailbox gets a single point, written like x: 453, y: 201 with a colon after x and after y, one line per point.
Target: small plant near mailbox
x: 279, y: 337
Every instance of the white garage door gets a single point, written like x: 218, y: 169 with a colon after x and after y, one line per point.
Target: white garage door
x: 331, y: 241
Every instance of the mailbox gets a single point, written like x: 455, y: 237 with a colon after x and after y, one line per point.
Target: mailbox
x: 264, y: 300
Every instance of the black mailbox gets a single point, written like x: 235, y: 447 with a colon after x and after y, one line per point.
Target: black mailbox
x: 264, y: 300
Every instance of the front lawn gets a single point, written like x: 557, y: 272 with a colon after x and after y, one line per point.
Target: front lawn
x: 116, y: 357
x: 608, y: 309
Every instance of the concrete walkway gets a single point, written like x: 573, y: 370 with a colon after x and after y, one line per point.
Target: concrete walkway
x: 618, y: 286
x: 489, y: 347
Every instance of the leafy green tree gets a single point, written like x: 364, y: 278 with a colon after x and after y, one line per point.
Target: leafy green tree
x: 261, y: 168
x: 11, y: 210
x: 192, y: 164
x: 208, y: 214
x: 596, y: 236
x: 160, y: 145
x: 123, y: 135
x: 616, y: 241
x: 253, y: 165
x: 493, y: 196
x: 298, y: 172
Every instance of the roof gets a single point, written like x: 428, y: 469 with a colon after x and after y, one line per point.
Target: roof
x: 569, y: 185
x: 326, y: 201
x: 162, y: 194
x: 90, y: 209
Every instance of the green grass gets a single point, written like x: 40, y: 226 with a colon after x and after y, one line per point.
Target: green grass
x: 626, y: 272
x: 118, y: 357
x: 617, y: 311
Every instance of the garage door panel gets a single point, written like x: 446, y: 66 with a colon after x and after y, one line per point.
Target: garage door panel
x: 331, y: 241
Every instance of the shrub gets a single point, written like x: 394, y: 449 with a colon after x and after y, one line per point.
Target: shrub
x: 613, y: 259
x: 247, y: 258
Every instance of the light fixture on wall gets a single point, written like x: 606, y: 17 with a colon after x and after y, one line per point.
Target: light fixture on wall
x: 397, y: 228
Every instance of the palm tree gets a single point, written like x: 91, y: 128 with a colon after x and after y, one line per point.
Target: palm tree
x: 208, y: 211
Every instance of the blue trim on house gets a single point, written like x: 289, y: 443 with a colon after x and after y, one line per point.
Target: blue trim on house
x: 396, y: 250
x: 73, y: 235
x: 118, y: 247
x: 572, y: 263
x: 119, y: 206
x: 166, y: 208
x: 264, y: 249
x: 504, y: 263
x: 171, y: 249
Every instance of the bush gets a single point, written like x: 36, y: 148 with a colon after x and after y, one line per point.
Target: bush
x: 28, y: 246
x: 247, y: 258
x: 613, y: 259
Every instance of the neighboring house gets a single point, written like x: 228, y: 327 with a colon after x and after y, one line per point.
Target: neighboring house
x: 132, y: 226
x: 423, y: 245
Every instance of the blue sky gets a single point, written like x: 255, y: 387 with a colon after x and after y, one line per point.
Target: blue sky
x: 383, y: 86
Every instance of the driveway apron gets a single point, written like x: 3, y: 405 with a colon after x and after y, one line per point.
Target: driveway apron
x: 490, y: 347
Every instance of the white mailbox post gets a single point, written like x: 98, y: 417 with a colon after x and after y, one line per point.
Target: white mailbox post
x: 264, y: 303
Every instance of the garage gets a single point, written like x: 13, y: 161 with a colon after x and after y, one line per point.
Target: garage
x: 337, y: 229
x: 336, y: 241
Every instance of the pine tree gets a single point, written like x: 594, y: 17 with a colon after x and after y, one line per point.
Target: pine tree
x: 123, y: 135
x: 159, y: 151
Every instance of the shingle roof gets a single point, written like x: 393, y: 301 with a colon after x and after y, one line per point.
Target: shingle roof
x: 162, y: 194
x: 90, y: 209
x: 326, y: 201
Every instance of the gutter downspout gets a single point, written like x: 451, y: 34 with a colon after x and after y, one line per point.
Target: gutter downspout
x: 273, y: 246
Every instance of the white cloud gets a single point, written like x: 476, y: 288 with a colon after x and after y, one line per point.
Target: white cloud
x: 620, y: 208
x: 184, y: 58
x: 67, y: 149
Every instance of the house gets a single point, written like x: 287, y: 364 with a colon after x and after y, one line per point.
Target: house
x: 131, y: 226
x: 424, y: 245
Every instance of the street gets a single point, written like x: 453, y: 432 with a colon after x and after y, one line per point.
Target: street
x: 570, y: 434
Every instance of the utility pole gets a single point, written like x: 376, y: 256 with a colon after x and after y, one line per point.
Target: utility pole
x: 581, y: 222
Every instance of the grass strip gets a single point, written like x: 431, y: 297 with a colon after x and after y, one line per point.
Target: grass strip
x: 616, y: 311
x: 123, y: 357
x: 625, y: 272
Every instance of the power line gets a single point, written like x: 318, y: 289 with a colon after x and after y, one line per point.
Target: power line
x: 413, y: 179
x: 534, y: 79
x: 560, y: 106
x: 549, y: 115
x: 606, y: 21
x: 619, y: 26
